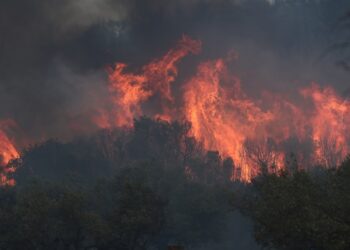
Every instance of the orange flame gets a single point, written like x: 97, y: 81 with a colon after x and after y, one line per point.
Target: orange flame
x: 330, y: 123
x: 224, y: 118
x: 8, y: 151
x: 129, y: 90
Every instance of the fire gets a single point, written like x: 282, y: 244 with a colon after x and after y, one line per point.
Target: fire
x: 223, y: 119
x: 129, y: 90
x: 259, y: 134
x: 8, y: 151
x: 254, y: 133
x: 330, y: 125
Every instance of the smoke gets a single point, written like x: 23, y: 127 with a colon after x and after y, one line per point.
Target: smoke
x: 239, y: 233
x: 38, y: 40
x: 54, y: 52
x: 80, y: 14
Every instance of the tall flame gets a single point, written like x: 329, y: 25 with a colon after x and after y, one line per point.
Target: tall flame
x: 129, y: 90
x: 224, y: 118
x: 330, y: 124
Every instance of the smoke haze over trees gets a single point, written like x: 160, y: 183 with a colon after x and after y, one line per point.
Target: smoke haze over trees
x: 145, y: 190
x: 208, y: 124
x: 150, y: 188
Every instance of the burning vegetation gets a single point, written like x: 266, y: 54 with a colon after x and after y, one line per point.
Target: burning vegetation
x: 255, y: 133
x: 8, y: 152
x: 259, y: 135
x: 119, y: 140
x: 268, y: 134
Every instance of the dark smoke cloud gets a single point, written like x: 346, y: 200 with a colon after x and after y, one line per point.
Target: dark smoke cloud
x: 53, y: 53
x: 35, y: 47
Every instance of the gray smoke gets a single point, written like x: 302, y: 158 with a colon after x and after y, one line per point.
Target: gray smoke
x: 54, y: 52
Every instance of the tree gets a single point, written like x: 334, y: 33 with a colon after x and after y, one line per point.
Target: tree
x: 78, y: 162
x: 137, y: 218
x: 262, y: 154
x: 300, y: 212
x: 43, y: 216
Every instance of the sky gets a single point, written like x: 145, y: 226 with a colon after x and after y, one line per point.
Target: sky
x: 54, y: 53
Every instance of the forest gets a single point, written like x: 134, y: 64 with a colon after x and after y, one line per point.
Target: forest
x: 154, y: 186
x: 174, y: 125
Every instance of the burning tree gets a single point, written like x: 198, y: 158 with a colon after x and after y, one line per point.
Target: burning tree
x: 263, y: 154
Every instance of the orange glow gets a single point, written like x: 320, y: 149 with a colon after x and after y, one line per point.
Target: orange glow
x: 8, y: 151
x: 256, y: 133
x: 129, y: 90
x: 330, y: 124
x: 224, y: 119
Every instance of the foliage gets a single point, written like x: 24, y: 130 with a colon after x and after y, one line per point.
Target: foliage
x: 128, y: 189
x: 301, y: 211
x: 155, y: 185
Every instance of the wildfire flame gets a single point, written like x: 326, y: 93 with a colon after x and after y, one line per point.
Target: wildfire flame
x: 129, y: 90
x: 258, y: 134
x: 330, y: 124
x: 8, y: 151
x: 223, y: 117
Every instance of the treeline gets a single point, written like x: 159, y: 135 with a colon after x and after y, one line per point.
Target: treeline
x: 143, y: 188
x: 302, y: 210
x: 136, y: 209
x: 154, y: 185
